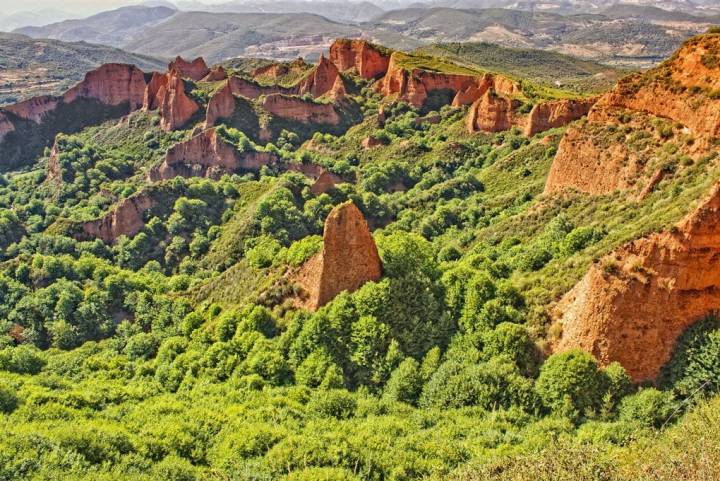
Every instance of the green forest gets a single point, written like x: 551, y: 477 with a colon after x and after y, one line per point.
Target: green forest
x: 177, y: 353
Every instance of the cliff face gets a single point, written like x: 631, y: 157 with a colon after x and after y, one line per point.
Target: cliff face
x: 349, y: 258
x: 126, y: 219
x: 414, y: 86
x: 216, y: 74
x: 360, y: 57
x: 167, y: 93
x: 111, y: 84
x: 324, y: 78
x: 300, y: 110
x: 558, y: 113
x: 195, y: 70
x: 220, y: 106
x: 207, y: 155
x: 35, y: 108
x: 680, y: 92
x: 491, y: 113
x: 6, y: 126
x: 634, y: 311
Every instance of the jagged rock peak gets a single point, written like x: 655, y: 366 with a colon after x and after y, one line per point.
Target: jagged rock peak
x: 348, y: 260
x: 195, y: 70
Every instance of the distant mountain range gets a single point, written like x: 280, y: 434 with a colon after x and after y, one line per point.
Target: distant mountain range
x: 636, y: 34
x: 30, y: 67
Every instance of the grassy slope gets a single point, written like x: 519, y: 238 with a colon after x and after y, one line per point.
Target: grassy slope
x: 543, y: 67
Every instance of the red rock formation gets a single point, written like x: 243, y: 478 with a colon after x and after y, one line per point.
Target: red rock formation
x: 176, y: 108
x: 322, y: 79
x: 370, y: 142
x: 349, y: 258
x: 6, y: 126
x: 325, y: 182
x: 126, y: 219
x: 54, y: 172
x: 207, y: 155
x: 413, y: 86
x: 195, y: 70
x: 150, y: 97
x: 217, y: 73
x: 220, y: 106
x: 557, y: 113
x: 35, y: 108
x: 111, y: 84
x: 678, y: 90
x: 276, y: 71
x: 491, y: 113
x: 300, y: 110
x: 633, y: 305
x: 360, y: 57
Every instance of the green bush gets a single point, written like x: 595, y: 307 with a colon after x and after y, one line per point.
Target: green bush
x: 336, y: 403
x: 571, y: 383
x: 490, y: 385
x: 8, y: 400
x: 405, y: 383
x: 649, y: 407
x: 512, y: 341
x: 694, y: 368
x: 23, y: 359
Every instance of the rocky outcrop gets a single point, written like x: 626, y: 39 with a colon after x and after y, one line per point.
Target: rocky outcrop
x: 167, y: 93
x: 680, y: 92
x: 325, y: 182
x: 220, y: 106
x: 348, y: 260
x: 632, y: 306
x: 300, y: 110
x: 492, y: 113
x: 151, y: 101
x: 207, y: 155
x: 414, y: 85
x: 324, y: 78
x: 6, y: 126
x: 127, y: 218
x: 54, y: 171
x: 558, y: 113
x: 111, y: 84
x: 217, y: 74
x: 35, y: 108
x: 195, y: 70
x: 252, y: 90
x: 276, y: 71
x: 360, y: 57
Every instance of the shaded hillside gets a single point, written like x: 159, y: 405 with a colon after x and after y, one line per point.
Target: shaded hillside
x: 31, y: 67
x: 114, y: 27
x: 218, y: 36
x: 549, y: 68
x: 628, y: 40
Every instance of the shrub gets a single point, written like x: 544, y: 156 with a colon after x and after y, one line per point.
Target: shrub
x: 336, y: 403
x: 23, y: 359
x: 649, y: 407
x: 490, y: 385
x: 571, y: 383
x: 319, y: 370
x: 8, y: 400
x: 512, y: 341
x: 695, y: 365
x: 405, y: 382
